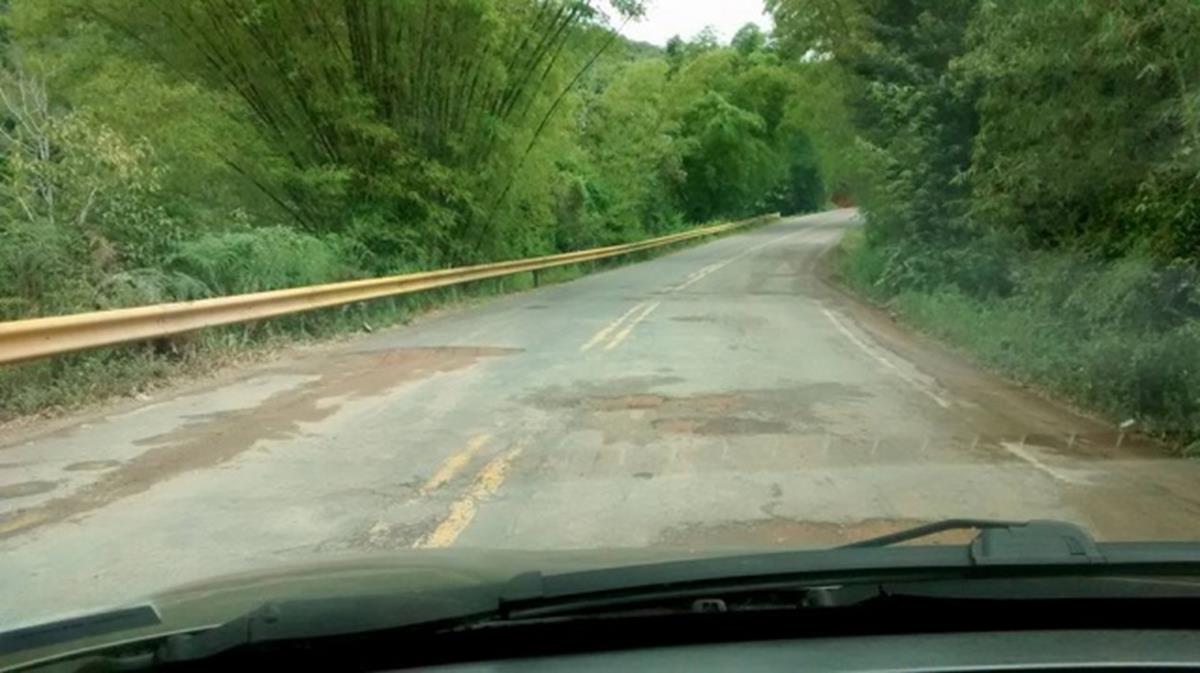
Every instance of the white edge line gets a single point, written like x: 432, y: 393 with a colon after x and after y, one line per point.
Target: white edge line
x: 1019, y: 451
x: 884, y: 361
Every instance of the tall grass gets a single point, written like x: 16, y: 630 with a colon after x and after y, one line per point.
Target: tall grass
x: 1120, y: 337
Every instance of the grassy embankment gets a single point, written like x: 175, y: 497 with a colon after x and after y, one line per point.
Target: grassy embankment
x: 1094, y: 334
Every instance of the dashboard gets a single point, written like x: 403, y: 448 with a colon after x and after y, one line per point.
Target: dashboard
x: 1007, y: 651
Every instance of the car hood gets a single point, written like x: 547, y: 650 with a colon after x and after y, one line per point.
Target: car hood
x: 216, y: 600
x: 228, y: 596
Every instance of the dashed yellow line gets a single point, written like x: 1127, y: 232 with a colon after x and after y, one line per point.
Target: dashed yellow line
x: 696, y: 276
x: 624, y: 334
x: 623, y: 329
x: 609, y: 329
x: 454, y: 464
x: 463, y: 510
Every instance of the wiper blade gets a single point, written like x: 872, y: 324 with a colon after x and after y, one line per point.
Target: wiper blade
x: 918, y: 532
x: 1007, y: 542
x: 999, y: 543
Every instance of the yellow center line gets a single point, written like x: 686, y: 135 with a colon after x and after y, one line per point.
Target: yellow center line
x: 612, y: 327
x: 624, y: 334
x: 695, y: 276
x: 454, y: 464
x: 606, y: 334
x: 463, y: 511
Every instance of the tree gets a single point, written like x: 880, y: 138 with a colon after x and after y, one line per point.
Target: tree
x: 380, y: 111
x: 1088, y: 125
x: 748, y: 40
x: 77, y: 199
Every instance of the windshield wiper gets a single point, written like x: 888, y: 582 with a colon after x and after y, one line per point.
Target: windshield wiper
x: 926, y: 530
x: 1006, y: 542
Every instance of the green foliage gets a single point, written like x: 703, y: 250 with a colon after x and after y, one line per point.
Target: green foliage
x: 1088, y: 122
x: 1029, y: 170
x: 1096, y: 342
x: 724, y: 157
x: 267, y: 258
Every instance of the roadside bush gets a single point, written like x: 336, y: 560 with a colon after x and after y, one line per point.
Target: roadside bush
x: 862, y: 265
x: 147, y: 286
x: 267, y: 258
x: 1120, y: 337
x: 39, y: 269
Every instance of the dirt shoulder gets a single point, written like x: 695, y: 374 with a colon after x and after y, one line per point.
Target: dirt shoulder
x: 1068, y: 427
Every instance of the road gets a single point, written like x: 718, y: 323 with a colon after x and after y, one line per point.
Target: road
x: 719, y: 396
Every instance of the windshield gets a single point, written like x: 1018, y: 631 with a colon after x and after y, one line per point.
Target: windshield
x: 285, y: 283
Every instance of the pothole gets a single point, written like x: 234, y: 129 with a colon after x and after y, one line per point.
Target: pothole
x: 721, y: 425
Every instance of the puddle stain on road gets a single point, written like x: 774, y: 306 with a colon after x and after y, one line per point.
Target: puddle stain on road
x: 214, y: 439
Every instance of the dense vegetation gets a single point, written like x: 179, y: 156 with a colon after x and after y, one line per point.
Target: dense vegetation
x: 153, y: 151
x: 1031, y: 174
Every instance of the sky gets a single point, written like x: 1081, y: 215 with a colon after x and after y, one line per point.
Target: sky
x: 665, y: 18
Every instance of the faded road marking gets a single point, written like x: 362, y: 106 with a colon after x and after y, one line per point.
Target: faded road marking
x: 883, y: 360
x: 1021, y: 452
x: 624, y: 334
x: 606, y: 334
x: 609, y: 329
x: 463, y: 510
x: 697, y: 276
x: 21, y: 521
x: 455, y: 463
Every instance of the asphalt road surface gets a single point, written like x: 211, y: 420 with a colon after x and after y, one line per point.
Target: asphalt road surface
x: 720, y: 396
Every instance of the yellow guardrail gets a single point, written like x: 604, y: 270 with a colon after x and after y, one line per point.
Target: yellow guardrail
x: 22, y: 340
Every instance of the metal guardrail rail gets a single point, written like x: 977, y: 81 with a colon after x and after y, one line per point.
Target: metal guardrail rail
x: 23, y: 340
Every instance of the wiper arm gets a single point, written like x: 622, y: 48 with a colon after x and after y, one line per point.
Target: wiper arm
x: 999, y: 543
x: 1007, y: 542
x: 928, y: 529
